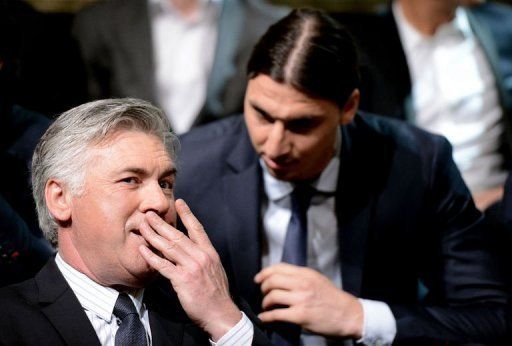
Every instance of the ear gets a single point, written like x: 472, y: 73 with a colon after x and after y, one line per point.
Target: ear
x: 58, y: 201
x: 350, y: 108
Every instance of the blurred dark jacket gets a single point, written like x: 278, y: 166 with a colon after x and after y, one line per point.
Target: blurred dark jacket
x: 386, y: 80
x: 116, y: 46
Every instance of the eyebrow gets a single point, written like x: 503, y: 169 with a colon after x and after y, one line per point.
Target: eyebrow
x: 267, y: 115
x: 260, y: 110
x: 140, y: 171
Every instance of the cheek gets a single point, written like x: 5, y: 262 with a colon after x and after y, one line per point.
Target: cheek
x: 112, y: 216
x: 257, y: 131
x: 308, y: 146
x: 171, y: 216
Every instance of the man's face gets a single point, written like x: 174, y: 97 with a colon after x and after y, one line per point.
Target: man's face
x: 125, y: 177
x: 294, y: 134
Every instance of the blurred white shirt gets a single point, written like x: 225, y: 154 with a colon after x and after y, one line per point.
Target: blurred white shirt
x: 454, y: 94
x: 183, y: 51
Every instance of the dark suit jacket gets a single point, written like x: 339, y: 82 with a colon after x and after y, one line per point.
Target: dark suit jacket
x: 23, y: 249
x: 404, y: 216
x: 386, y: 87
x: 500, y: 219
x: 115, y: 40
x: 22, y: 253
x: 20, y: 130
x: 45, y: 311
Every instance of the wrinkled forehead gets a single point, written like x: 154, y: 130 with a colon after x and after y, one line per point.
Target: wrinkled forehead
x: 132, y: 148
x: 113, y: 137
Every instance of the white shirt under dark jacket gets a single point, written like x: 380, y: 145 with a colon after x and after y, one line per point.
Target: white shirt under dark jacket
x: 98, y: 303
x: 323, y: 251
x: 183, y: 50
x: 454, y: 94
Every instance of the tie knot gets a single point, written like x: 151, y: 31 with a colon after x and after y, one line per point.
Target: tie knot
x: 301, y: 197
x: 124, y: 306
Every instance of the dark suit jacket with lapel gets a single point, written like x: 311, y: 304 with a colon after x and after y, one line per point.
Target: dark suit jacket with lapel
x: 45, y: 311
x: 404, y: 215
x: 386, y: 87
x: 115, y: 40
x: 23, y: 249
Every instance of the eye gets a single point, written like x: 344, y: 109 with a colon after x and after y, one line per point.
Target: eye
x: 302, y: 125
x: 262, y: 115
x: 130, y: 180
x: 166, y: 185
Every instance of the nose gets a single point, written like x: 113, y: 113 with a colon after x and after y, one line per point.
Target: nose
x: 276, y: 144
x: 154, y: 199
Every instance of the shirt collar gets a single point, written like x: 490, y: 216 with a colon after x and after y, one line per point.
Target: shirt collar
x: 276, y: 189
x: 204, y: 11
x: 411, y: 37
x: 93, y: 296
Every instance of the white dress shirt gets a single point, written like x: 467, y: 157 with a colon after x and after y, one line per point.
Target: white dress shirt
x: 323, y: 250
x: 183, y: 50
x: 454, y: 94
x: 98, y: 303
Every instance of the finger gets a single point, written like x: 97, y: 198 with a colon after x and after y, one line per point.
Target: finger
x: 195, y: 229
x: 280, y: 268
x: 164, y: 267
x: 164, y: 229
x: 278, y: 298
x: 281, y: 282
x: 170, y: 249
x: 279, y: 315
x: 177, y: 238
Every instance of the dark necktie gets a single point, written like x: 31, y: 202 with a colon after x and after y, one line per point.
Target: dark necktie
x: 131, y: 331
x: 295, y: 251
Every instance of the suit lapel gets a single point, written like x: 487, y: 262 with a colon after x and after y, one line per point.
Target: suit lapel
x: 166, y: 317
x: 488, y: 43
x: 229, y: 31
x: 242, y: 191
x: 363, y: 153
x: 486, y: 40
x: 399, y: 72
x: 60, y: 305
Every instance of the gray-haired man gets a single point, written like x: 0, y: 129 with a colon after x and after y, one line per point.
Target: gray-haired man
x: 103, y: 178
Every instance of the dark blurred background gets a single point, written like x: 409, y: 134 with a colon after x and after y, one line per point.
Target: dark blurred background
x: 51, y: 81
x: 329, y: 5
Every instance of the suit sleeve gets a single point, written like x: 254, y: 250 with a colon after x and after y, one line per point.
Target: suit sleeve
x: 465, y: 299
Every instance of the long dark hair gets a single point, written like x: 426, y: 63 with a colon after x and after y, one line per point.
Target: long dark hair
x: 310, y: 51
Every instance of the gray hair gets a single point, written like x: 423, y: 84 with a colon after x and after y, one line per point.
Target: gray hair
x: 61, y: 155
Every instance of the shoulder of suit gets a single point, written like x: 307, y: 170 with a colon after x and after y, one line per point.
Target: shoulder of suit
x: 220, y: 130
x: 493, y: 12
x: 268, y: 10
x: 104, y: 11
x: 405, y: 136
x: 19, y: 294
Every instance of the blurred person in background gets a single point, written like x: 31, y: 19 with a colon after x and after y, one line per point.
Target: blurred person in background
x: 446, y: 66
x: 23, y: 249
x: 188, y: 56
